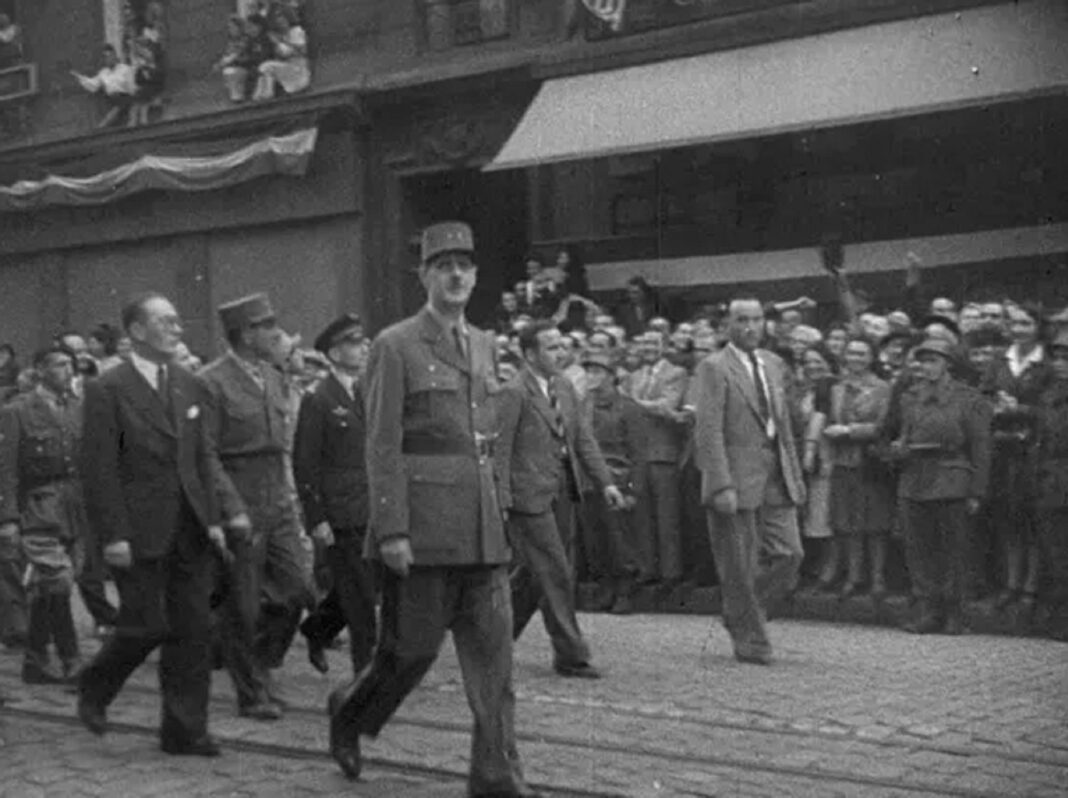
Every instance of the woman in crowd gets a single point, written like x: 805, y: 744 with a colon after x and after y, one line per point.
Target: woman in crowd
x: 819, y: 369
x: 836, y: 338
x: 288, y: 64
x: 1013, y: 383
x: 862, y: 502
x: 942, y: 440
x: 1052, y: 490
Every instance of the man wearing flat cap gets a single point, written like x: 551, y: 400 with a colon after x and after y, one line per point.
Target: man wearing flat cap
x: 249, y: 428
x: 328, y: 463
x: 436, y: 521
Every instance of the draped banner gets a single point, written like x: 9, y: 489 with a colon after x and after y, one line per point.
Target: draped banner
x: 277, y: 155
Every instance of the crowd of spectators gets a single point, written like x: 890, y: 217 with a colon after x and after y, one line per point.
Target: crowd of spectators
x: 850, y: 378
x: 10, y: 42
x: 266, y: 52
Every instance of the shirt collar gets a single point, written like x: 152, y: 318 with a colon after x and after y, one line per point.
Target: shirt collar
x: 146, y: 368
x: 348, y: 382
x: 50, y: 396
x: 1017, y: 364
x: 447, y: 324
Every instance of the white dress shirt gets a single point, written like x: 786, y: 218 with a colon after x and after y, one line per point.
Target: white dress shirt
x: 147, y: 369
x: 744, y: 357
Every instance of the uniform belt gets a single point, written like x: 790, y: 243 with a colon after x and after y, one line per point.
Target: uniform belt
x: 430, y: 446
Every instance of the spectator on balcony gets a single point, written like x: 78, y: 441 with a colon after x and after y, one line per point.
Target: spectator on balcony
x: 116, y: 81
x: 10, y: 42
x: 642, y: 305
x: 239, y: 61
x: 288, y: 65
x: 148, y: 77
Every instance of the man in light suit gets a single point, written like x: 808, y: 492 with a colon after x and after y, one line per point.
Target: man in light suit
x: 658, y: 387
x: 147, y: 469
x: 751, y: 480
x: 545, y: 438
x: 436, y: 522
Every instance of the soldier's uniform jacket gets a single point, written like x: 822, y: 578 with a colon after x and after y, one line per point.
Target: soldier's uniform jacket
x: 621, y: 429
x: 946, y: 428
x: 250, y: 422
x: 1052, y: 416
x: 39, y: 440
x: 430, y: 418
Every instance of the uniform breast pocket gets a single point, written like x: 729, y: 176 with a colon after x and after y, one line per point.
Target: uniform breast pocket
x: 433, y: 390
x: 41, y: 448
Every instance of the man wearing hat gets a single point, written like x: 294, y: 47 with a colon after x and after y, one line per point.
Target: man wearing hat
x: 942, y: 439
x: 41, y: 505
x: 328, y: 463
x: 249, y: 428
x: 436, y: 521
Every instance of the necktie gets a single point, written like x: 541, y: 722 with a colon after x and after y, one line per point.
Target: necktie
x: 164, y: 389
x: 554, y: 404
x: 761, y: 389
x: 461, y: 344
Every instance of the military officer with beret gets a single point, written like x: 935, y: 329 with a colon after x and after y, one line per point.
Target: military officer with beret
x: 436, y: 521
x: 942, y: 440
x: 328, y: 463
x: 249, y: 429
x: 41, y: 504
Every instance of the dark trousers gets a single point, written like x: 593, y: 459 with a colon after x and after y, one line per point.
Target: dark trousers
x: 543, y: 578
x: 1053, y: 586
x: 659, y: 518
x: 92, y: 575
x: 350, y: 602
x: 268, y: 586
x: 936, y: 551
x: 51, y: 621
x: 474, y: 603
x: 606, y: 537
x: 163, y: 603
x: 13, y: 611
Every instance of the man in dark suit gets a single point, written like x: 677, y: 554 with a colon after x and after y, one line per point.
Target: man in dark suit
x: 328, y: 463
x: 436, y: 521
x: 545, y: 438
x: 146, y: 473
x: 751, y: 479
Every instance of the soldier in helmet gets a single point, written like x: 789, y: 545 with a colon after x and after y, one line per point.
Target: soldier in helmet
x: 436, y: 521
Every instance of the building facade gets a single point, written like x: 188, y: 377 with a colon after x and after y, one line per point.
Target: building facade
x: 708, y: 145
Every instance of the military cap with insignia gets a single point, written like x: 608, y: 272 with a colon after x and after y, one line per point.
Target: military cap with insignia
x: 336, y: 330
x: 446, y: 237
x: 246, y: 312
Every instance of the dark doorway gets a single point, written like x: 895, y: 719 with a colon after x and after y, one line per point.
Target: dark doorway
x: 495, y: 205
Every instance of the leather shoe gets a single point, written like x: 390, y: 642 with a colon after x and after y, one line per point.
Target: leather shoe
x: 925, y: 625
x: 92, y: 716
x: 753, y: 657
x: 36, y: 673
x: 581, y: 671
x: 317, y: 657
x: 264, y: 710
x: 347, y: 753
x: 622, y: 605
x: 954, y: 625
x: 205, y: 746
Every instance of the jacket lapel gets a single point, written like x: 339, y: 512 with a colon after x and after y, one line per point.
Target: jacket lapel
x: 745, y: 381
x: 443, y: 346
x: 145, y: 400
x: 336, y: 393
x: 539, y: 399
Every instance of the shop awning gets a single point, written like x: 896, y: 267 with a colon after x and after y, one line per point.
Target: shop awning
x: 982, y: 246
x: 902, y: 68
x: 287, y: 154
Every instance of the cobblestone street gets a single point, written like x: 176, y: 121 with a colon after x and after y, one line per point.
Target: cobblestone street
x: 845, y: 710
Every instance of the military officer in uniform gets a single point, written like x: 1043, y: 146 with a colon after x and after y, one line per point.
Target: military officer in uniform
x: 249, y: 430
x: 328, y: 463
x: 41, y: 503
x: 436, y: 521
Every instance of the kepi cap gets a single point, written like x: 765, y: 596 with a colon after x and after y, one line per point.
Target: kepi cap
x: 336, y: 330
x: 446, y: 237
x: 244, y: 312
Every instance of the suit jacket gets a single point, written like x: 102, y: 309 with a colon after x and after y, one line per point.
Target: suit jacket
x: 529, y: 445
x: 1052, y: 466
x: 659, y: 396
x: 247, y: 420
x: 729, y: 434
x: 328, y: 457
x: 427, y: 409
x: 138, y: 465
